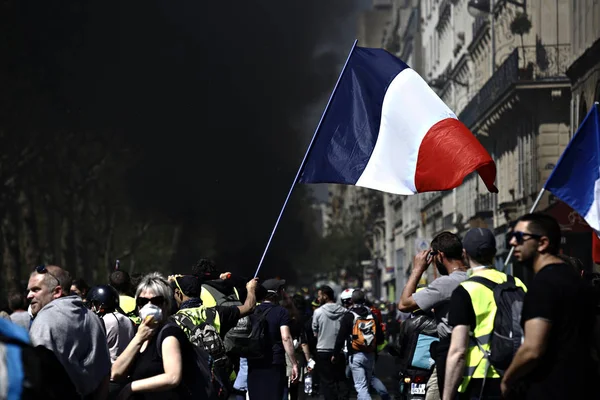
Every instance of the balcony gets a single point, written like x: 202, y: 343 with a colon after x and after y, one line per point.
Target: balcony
x: 528, y: 64
x: 485, y: 203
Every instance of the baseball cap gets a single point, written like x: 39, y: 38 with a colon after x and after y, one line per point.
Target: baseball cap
x: 479, y: 242
x: 188, y: 284
x: 273, y: 285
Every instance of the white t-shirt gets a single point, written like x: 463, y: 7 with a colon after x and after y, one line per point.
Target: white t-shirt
x: 119, y: 332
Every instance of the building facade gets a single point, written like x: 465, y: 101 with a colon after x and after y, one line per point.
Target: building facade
x: 520, y: 80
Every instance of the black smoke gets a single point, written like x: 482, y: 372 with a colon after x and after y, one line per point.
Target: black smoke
x: 214, y: 100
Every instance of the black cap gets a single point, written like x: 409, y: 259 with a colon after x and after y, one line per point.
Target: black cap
x: 479, y: 242
x: 189, y: 285
x: 273, y: 285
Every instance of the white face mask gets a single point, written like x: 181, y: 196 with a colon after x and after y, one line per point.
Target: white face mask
x: 150, y: 310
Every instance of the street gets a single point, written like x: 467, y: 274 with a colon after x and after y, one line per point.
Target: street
x: 384, y: 370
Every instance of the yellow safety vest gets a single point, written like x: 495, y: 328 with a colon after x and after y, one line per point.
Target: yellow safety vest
x: 209, y: 300
x: 485, y: 308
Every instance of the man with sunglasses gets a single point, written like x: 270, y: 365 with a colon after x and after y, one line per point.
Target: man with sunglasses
x: 72, y: 332
x: 554, y: 360
x: 446, y: 254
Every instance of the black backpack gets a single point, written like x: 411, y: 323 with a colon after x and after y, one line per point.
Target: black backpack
x: 207, y: 384
x: 507, y: 334
x: 257, y: 344
x: 415, y: 334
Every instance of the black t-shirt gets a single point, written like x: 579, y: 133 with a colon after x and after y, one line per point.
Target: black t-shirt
x: 276, y: 318
x: 461, y: 310
x: 149, y: 363
x: 228, y: 317
x: 558, y: 295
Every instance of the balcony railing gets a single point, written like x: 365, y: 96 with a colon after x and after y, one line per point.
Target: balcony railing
x: 525, y: 64
x: 485, y: 202
x: 443, y: 15
x: 479, y: 23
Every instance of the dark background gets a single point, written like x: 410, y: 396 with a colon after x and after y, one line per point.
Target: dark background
x: 159, y: 132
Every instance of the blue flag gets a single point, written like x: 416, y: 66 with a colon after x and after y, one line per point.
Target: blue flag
x: 576, y: 177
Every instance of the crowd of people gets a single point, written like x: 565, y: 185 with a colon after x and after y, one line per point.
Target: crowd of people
x: 210, y: 334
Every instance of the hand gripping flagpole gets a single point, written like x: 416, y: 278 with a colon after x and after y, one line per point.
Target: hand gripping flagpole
x: 512, y: 249
x: 304, y: 159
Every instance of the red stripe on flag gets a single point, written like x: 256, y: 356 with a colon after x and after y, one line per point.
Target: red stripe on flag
x: 449, y: 152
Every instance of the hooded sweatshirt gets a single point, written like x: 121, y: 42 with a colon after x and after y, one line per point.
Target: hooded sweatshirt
x: 76, y: 336
x: 326, y: 325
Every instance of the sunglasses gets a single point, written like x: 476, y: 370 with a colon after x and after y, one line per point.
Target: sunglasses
x: 521, y: 237
x: 41, y: 269
x: 433, y: 253
x: 157, y: 301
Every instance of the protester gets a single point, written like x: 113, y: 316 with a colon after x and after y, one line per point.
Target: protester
x: 218, y: 286
x: 18, y: 306
x: 69, y: 330
x: 187, y: 290
x: 159, y: 361
x: 361, y: 334
x: 104, y: 301
x: 79, y: 287
x: 294, y: 305
x: 472, y: 311
x: 331, y: 366
x: 267, y: 376
x: 121, y: 281
x: 446, y: 254
x: 554, y: 360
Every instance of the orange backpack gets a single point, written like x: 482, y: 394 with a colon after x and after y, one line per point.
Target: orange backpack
x: 363, y: 333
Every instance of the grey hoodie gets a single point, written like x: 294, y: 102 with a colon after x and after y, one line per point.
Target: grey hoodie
x: 76, y: 336
x: 326, y: 324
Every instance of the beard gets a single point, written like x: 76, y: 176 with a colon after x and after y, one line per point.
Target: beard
x: 441, y: 268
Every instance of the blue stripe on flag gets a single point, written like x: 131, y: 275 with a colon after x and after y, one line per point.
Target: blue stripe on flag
x: 349, y: 131
x: 574, y: 177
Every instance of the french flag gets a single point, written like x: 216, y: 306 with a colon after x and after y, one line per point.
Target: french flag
x: 386, y: 129
x: 576, y: 177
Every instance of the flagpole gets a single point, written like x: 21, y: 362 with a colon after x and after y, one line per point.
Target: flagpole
x: 304, y: 159
x: 533, y: 207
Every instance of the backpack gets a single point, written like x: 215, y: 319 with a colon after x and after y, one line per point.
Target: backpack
x: 363, y: 333
x: 205, y: 335
x: 507, y: 333
x: 207, y: 384
x: 242, y: 329
x: 257, y: 345
x: 416, y: 336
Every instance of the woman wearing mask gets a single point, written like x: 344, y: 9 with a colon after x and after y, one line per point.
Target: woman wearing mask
x: 159, y: 361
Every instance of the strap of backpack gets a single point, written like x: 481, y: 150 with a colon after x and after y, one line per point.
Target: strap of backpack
x: 211, y: 315
x: 484, y: 281
x: 186, y: 322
